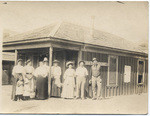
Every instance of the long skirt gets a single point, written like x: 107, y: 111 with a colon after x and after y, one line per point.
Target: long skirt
x: 55, y: 87
x: 14, y: 82
x: 19, y: 89
x: 41, y: 88
x: 68, y: 88
x: 28, y: 86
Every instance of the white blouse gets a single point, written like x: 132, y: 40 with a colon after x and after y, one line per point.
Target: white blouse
x: 29, y: 69
x: 55, y: 71
x: 69, y: 73
x: 18, y: 69
x: 41, y: 71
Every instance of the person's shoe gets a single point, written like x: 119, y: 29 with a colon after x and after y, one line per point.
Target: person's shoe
x: 21, y: 99
x: 83, y: 98
x: 99, y: 98
x: 93, y: 98
x: 77, y: 98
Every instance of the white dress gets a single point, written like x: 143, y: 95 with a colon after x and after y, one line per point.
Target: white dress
x: 19, y: 87
x: 29, y: 82
x: 69, y: 84
x: 18, y: 72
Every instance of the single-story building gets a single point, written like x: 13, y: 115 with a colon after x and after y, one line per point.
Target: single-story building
x: 124, y: 64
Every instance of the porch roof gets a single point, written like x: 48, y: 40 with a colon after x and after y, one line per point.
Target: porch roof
x: 72, y: 32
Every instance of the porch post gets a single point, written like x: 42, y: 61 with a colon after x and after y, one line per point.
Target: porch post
x: 50, y: 64
x: 79, y: 55
x: 16, y: 58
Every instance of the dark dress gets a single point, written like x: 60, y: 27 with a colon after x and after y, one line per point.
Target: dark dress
x: 41, y: 88
x: 55, y: 90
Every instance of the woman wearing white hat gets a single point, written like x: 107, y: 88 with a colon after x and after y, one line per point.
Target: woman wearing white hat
x: 69, y: 81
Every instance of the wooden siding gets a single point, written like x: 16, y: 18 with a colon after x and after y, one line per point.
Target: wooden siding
x: 107, y: 91
x: 122, y: 88
x: 87, y: 56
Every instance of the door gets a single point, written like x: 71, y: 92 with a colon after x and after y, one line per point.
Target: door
x: 63, y: 56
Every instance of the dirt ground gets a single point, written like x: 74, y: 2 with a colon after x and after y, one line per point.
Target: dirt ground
x: 131, y: 104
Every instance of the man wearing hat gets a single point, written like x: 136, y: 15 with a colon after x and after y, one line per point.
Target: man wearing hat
x: 81, y: 75
x: 29, y: 86
x: 55, y: 74
x: 96, y: 79
x: 17, y: 72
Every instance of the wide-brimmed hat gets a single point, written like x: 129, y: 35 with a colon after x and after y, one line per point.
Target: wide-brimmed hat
x: 55, y: 61
x: 68, y: 63
x: 19, y: 60
x: 81, y: 61
x: 28, y: 61
x: 94, y: 59
x: 45, y: 60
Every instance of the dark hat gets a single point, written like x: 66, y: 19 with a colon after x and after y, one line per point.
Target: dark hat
x: 28, y: 61
x: 55, y: 61
x: 68, y: 63
x: 81, y: 61
x: 94, y: 59
x: 45, y: 60
x: 19, y: 60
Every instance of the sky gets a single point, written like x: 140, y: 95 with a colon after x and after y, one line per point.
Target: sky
x: 128, y: 20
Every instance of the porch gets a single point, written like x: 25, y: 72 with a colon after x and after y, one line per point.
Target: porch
x: 113, y: 62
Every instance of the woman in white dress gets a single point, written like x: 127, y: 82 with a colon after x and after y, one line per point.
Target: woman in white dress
x: 18, y: 74
x: 69, y: 82
x: 29, y: 81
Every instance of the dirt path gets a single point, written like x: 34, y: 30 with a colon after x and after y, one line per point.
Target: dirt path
x: 132, y: 104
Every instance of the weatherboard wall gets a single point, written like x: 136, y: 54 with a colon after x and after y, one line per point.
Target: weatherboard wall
x: 122, y: 88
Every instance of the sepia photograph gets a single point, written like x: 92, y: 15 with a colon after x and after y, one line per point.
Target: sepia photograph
x: 74, y: 57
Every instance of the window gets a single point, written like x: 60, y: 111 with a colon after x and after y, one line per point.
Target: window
x: 140, y: 71
x: 112, y: 71
x: 127, y: 74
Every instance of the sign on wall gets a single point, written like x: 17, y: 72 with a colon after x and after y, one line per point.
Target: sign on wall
x: 101, y: 63
x: 127, y: 73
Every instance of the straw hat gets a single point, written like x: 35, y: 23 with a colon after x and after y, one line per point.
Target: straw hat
x: 45, y: 59
x: 28, y: 61
x: 55, y: 61
x: 94, y: 59
x: 19, y: 60
x: 81, y: 61
x: 68, y: 63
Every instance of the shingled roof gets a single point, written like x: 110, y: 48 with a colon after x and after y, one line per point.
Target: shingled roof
x: 72, y: 32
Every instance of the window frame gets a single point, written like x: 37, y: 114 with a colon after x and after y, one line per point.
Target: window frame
x: 108, y: 76
x: 138, y: 71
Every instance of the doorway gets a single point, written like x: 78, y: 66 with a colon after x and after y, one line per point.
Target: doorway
x: 65, y: 55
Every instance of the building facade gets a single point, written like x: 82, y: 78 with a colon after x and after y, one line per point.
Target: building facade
x: 124, y: 65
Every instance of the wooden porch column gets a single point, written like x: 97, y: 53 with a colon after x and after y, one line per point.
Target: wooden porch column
x: 16, y: 58
x: 50, y: 64
x: 79, y: 55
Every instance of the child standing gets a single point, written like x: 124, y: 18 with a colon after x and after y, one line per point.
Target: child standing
x: 19, y: 89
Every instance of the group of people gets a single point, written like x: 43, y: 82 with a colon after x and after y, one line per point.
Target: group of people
x: 29, y: 83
